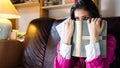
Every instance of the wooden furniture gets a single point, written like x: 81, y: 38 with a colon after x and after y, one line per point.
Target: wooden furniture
x: 14, y: 23
x: 26, y: 4
x: 44, y: 10
x: 11, y: 52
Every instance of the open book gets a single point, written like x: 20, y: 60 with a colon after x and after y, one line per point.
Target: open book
x: 79, y: 50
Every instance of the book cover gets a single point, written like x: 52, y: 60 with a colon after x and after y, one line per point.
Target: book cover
x: 80, y: 51
x: 78, y: 45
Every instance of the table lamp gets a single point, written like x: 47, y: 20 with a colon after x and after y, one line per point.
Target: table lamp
x: 7, y: 11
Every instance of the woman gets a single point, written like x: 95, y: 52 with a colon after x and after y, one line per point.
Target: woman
x: 82, y: 10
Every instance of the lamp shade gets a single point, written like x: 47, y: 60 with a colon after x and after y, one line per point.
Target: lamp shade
x: 7, y: 10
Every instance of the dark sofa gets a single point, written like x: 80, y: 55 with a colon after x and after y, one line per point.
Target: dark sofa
x: 42, y: 38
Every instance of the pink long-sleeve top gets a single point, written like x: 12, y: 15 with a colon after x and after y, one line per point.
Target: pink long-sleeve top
x: 93, y: 59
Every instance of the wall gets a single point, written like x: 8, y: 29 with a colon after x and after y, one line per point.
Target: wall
x: 108, y: 8
x: 27, y: 14
x: 59, y: 13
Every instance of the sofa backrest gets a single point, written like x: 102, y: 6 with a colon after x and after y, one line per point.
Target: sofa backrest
x: 36, y: 41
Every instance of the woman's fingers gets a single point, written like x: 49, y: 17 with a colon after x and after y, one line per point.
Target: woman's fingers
x: 95, y: 20
x: 88, y: 21
x: 92, y: 20
x: 102, y: 25
x: 71, y: 24
x: 98, y: 21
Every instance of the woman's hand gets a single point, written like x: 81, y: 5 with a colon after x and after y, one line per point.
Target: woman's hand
x: 95, y: 29
x: 68, y: 32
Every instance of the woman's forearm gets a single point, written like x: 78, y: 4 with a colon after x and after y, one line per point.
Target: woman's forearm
x: 67, y: 41
x: 94, y: 39
x: 65, y: 50
x: 92, y: 51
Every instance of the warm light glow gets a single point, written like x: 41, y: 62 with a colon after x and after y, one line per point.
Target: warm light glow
x: 7, y: 10
x: 32, y: 30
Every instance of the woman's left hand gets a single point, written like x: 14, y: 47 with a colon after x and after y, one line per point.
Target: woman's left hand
x: 95, y: 29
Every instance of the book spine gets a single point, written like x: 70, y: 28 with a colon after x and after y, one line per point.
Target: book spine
x: 78, y: 38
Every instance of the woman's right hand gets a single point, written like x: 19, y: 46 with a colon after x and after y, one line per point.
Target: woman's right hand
x: 68, y: 32
x: 95, y: 29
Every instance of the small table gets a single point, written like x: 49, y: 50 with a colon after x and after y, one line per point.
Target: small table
x: 11, y: 52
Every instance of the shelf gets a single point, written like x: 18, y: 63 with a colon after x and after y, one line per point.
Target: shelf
x: 26, y: 4
x: 57, y: 6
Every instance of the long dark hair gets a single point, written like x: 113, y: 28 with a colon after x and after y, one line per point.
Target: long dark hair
x: 87, y: 5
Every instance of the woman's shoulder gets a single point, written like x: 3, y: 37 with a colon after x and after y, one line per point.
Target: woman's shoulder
x: 110, y: 37
x: 111, y: 40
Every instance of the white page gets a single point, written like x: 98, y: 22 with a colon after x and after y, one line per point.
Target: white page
x: 60, y: 27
